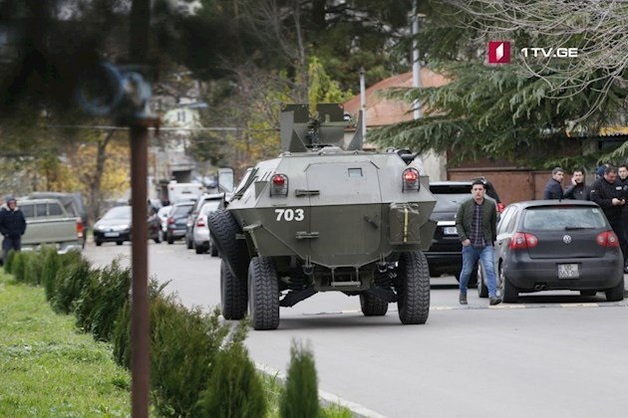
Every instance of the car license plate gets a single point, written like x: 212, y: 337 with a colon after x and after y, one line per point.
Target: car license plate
x: 450, y: 230
x: 568, y: 271
x: 112, y: 234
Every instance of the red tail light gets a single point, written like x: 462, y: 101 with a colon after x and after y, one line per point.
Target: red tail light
x: 279, y: 180
x: 523, y: 241
x: 79, y: 228
x: 607, y: 239
x: 171, y: 220
x: 500, y: 207
x: 410, y: 179
x: 200, y: 222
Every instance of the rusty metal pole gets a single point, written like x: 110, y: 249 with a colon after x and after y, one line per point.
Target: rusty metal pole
x: 140, y: 346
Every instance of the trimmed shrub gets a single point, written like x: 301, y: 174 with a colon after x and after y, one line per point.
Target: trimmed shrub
x: 18, y: 265
x: 234, y: 388
x: 52, y: 265
x: 33, y: 268
x: 71, y: 280
x: 102, y: 299
x: 8, y: 263
x: 184, y: 345
x: 300, y: 398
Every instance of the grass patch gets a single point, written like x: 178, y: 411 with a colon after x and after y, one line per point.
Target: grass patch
x: 48, y: 368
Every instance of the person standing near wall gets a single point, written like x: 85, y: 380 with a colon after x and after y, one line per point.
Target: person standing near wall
x: 578, y: 190
x: 12, y: 226
x: 554, y: 188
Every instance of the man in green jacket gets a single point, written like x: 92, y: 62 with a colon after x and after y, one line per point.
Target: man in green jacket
x: 476, y: 222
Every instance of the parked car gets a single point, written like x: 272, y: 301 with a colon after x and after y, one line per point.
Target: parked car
x: 202, y: 240
x: 72, y: 203
x: 191, y: 221
x: 162, y: 213
x: 177, y: 220
x: 445, y: 254
x: 556, y: 245
x: 115, y: 226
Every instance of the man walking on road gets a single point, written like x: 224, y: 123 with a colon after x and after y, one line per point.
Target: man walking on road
x: 12, y: 227
x: 609, y: 194
x: 554, y: 188
x: 476, y: 222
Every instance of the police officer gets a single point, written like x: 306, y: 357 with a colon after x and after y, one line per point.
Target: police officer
x: 609, y: 194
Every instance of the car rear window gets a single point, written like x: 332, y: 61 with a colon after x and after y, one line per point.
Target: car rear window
x: 563, y: 218
x: 210, y: 206
x: 182, y: 210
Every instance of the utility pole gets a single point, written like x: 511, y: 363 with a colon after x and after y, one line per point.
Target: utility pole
x: 138, y: 137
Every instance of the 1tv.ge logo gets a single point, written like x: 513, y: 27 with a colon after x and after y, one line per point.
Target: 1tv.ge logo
x: 499, y: 52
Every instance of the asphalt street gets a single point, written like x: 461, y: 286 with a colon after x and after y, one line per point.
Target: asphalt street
x: 555, y: 354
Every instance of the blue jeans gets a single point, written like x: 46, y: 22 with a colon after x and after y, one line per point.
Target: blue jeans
x: 470, y: 256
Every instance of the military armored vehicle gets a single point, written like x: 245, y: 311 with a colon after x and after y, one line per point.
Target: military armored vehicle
x: 325, y: 216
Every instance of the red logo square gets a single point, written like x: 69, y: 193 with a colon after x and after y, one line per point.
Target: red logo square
x: 499, y: 52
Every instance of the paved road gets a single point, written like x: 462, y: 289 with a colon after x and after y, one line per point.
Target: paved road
x: 554, y: 355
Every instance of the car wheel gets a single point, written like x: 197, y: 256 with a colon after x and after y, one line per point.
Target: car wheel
x: 616, y: 293
x: 189, y: 243
x: 98, y: 243
x: 233, y: 297
x: 119, y: 242
x: 213, y: 251
x: 263, y: 293
x: 223, y: 229
x: 159, y: 238
x: 199, y: 249
x: 481, y: 282
x: 170, y: 239
x: 510, y: 294
x: 372, y: 305
x: 413, y: 288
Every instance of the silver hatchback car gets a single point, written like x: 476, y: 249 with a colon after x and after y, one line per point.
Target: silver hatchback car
x: 200, y: 230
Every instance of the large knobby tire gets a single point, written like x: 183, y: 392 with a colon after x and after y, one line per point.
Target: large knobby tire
x: 233, y: 297
x: 413, y: 288
x: 223, y: 229
x: 372, y: 305
x: 263, y: 294
x: 616, y: 293
x: 510, y: 294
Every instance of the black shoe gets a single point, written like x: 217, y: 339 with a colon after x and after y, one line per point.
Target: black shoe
x: 462, y: 299
x: 495, y: 301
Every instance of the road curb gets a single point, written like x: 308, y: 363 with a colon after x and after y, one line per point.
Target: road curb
x: 326, y: 398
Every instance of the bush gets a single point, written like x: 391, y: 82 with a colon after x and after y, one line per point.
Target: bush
x: 234, y: 388
x: 52, y: 265
x: 33, y: 268
x: 8, y: 263
x: 300, y: 398
x: 184, y: 345
x: 71, y: 280
x: 18, y: 265
x: 102, y: 300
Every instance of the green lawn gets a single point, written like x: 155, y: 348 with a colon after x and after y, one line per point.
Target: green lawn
x: 48, y: 368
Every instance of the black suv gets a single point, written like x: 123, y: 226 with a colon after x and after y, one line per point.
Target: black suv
x: 445, y: 254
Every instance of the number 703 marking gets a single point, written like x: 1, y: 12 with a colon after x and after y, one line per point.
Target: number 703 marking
x: 290, y: 215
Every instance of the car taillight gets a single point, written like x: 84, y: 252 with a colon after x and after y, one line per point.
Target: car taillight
x: 607, y: 239
x: 200, y: 222
x: 523, y: 241
x: 171, y: 220
x: 79, y: 228
x: 500, y: 207
x: 279, y: 185
x: 410, y: 179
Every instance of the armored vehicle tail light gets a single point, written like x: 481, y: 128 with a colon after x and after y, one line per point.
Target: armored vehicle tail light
x: 410, y: 179
x: 279, y: 185
x: 607, y: 239
x: 523, y: 241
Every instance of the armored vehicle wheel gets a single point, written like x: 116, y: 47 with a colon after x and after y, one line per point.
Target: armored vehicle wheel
x: 224, y: 228
x: 372, y: 306
x: 263, y: 294
x: 413, y: 288
x: 232, y: 294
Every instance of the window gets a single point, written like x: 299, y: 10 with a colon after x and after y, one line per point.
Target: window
x: 54, y: 209
x: 40, y: 210
x: 27, y: 210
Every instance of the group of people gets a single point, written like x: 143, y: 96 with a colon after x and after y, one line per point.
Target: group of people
x: 609, y: 191
x: 12, y: 226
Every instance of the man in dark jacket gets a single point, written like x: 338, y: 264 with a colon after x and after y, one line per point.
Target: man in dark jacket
x: 553, y: 188
x: 476, y: 223
x: 609, y: 194
x: 578, y: 190
x: 12, y: 226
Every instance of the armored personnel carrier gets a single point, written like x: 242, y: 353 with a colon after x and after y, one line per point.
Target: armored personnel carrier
x: 325, y: 216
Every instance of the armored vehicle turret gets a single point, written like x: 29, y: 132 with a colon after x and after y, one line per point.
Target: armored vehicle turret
x: 325, y: 216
